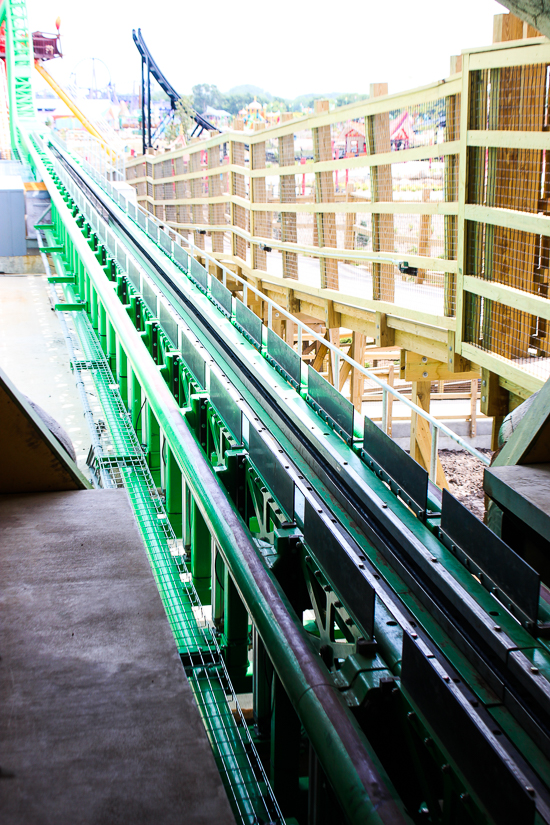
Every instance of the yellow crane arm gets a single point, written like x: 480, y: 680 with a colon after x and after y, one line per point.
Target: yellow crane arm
x: 65, y: 97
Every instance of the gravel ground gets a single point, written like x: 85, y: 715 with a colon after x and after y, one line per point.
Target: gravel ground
x: 465, y: 476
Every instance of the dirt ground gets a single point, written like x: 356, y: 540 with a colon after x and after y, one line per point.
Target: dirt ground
x: 465, y: 476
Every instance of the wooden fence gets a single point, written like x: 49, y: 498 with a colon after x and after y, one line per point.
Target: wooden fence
x: 419, y: 220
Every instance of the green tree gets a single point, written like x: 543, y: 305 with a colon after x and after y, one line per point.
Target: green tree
x: 182, y: 120
x: 205, y: 95
x: 345, y: 99
x: 234, y: 103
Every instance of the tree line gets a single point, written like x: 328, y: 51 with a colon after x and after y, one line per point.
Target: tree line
x: 204, y: 95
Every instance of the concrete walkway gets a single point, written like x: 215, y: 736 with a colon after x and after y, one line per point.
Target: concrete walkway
x: 34, y: 355
x: 98, y: 723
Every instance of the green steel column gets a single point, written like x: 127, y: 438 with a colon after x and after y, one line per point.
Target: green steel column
x: 261, y: 686
x: 153, y: 445
x: 131, y: 309
x: 83, y: 282
x: 88, y: 292
x: 171, y: 360
x: 102, y: 328
x: 174, y: 493
x: 150, y: 329
x: 136, y: 404
x: 285, y: 749
x: 93, y: 308
x: 112, y: 346
x: 218, y: 578
x: 235, y: 628
x: 121, y: 287
x: 122, y: 372
x: 201, y: 554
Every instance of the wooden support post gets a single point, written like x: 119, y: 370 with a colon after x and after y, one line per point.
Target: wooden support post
x: 196, y: 192
x: 473, y: 408
x: 421, y: 438
x: 384, y: 335
x: 319, y: 358
x: 289, y: 232
x: 420, y: 395
x: 507, y: 27
x: 351, y: 217
x: 238, y: 213
x: 357, y: 382
x: 389, y: 401
x: 344, y: 375
x: 258, y: 194
x: 332, y: 326
x: 324, y: 193
x: 452, y: 130
x: 494, y: 402
x: 424, y: 236
x: 216, y: 211
x: 377, y: 135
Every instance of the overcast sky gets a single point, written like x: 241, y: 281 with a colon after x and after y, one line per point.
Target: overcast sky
x: 286, y: 47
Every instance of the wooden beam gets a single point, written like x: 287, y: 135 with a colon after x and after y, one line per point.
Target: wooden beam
x: 507, y: 27
x: 320, y: 357
x: 504, y: 367
x: 385, y: 335
x: 510, y: 386
x: 509, y: 296
x: 421, y: 368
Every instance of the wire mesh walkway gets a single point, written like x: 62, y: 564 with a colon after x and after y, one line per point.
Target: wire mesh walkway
x: 122, y: 460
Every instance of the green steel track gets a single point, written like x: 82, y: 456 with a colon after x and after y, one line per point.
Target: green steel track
x: 399, y: 673
x: 360, y: 607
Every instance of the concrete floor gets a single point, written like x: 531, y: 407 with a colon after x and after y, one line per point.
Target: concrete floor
x: 98, y: 724
x: 34, y: 355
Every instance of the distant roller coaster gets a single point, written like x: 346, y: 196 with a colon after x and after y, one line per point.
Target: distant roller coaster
x: 148, y: 68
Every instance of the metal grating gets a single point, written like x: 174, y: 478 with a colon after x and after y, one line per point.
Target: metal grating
x: 124, y: 462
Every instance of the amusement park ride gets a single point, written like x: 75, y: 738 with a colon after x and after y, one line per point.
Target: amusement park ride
x: 397, y: 651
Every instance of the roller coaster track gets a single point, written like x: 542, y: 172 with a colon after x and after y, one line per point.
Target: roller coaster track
x: 405, y: 631
x: 395, y: 639
x: 150, y: 66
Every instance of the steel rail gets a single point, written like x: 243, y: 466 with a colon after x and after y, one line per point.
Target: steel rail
x: 358, y: 780
x: 107, y: 213
x: 469, y: 626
